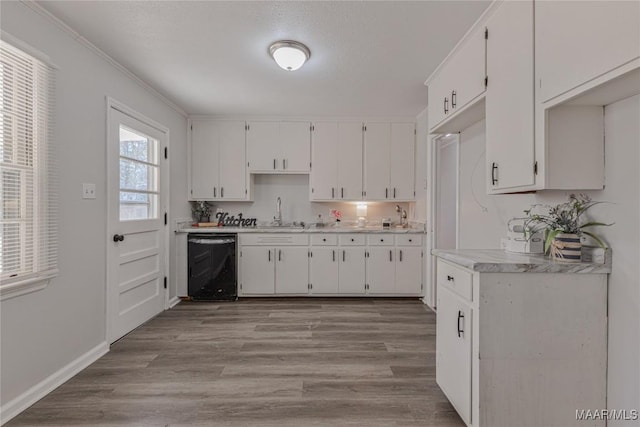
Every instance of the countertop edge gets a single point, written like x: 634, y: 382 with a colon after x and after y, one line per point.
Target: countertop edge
x: 516, y: 263
x: 295, y: 231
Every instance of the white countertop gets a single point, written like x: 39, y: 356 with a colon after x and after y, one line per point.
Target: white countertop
x: 313, y: 230
x: 499, y: 261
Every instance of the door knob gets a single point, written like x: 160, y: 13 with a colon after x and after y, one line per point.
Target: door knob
x: 118, y: 237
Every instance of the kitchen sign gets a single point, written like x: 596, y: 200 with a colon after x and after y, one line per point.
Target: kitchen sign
x: 224, y: 220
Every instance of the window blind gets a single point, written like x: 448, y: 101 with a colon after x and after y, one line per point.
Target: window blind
x: 28, y: 186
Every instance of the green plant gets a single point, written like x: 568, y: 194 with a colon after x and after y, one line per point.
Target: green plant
x: 564, y: 218
x: 200, y: 209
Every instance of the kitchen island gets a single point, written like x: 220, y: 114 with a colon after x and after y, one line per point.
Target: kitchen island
x: 521, y: 340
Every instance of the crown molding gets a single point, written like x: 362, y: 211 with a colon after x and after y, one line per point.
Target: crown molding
x: 100, y: 53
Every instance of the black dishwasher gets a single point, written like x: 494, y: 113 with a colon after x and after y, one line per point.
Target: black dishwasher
x: 212, y: 267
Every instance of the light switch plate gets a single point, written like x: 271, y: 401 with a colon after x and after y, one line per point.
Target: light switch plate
x: 88, y: 191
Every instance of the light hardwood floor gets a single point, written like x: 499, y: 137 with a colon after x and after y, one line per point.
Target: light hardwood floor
x: 263, y: 362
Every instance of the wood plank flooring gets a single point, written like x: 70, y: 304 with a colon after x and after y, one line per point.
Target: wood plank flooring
x: 262, y: 362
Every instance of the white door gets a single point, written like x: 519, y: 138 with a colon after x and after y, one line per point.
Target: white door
x: 350, y: 160
x: 381, y: 270
x: 376, y: 161
x: 232, y: 161
x: 403, y: 158
x: 446, y: 233
x: 510, y: 102
x: 136, y: 248
x: 323, y: 270
x: 204, y: 160
x: 352, y: 270
x: 257, y: 270
x: 295, y: 146
x: 263, y: 145
x: 409, y: 270
x: 324, y: 161
x: 292, y: 270
x: 453, y: 351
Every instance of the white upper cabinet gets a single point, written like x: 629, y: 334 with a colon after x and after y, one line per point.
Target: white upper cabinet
x: 336, y: 158
x: 578, y: 41
x: 218, y: 160
x: 279, y: 147
x: 403, y: 150
x: 510, y: 97
x: 389, y: 161
x: 457, y: 85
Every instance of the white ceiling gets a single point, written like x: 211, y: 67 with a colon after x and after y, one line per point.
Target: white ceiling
x: 367, y: 58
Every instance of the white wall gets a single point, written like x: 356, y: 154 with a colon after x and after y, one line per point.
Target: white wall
x: 483, y: 229
x: 294, y: 192
x: 46, y: 330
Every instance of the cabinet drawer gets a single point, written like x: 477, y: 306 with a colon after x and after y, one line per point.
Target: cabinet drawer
x: 352, y: 240
x: 458, y: 280
x: 380, y: 240
x: 277, y: 239
x: 324, y: 239
x: 409, y: 240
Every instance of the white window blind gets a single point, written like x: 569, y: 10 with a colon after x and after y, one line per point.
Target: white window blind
x: 28, y: 187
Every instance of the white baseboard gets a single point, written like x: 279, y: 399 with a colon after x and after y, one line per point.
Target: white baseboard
x: 46, y: 386
x: 174, y: 301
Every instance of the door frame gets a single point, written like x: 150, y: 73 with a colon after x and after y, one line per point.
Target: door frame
x: 112, y: 103
x: 432, y: 210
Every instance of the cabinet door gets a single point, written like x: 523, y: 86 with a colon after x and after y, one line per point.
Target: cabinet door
x: 381, y: 270
x: 409, y: 270
x: 323, y: 270
x: 352, y: 270
x: 467, y: 71
x: 257, y: 270
x: 576, y: 41
x: 510, y: 97
x: 349, y: 155
x: 453, y: 350
x: 263, y: 146
x: 403, y: 157
x: 294, y: 146
x: 233, y: 163
x: 377, y: 138
x: 324, y: 161
x: 204, y: 159
x: 439, y: 97
x: 292, y: 270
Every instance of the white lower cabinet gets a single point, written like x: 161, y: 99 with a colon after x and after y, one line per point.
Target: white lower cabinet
x: 453, y: 350
x: 330, y: 264
x: 517, y: 349
x: 381, y: 270
x: 258, y: 270
x: 273, y: 264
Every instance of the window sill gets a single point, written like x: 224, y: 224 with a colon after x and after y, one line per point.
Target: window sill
x: 27, y: 285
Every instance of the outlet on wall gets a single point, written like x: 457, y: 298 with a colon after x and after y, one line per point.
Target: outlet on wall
x: 88, y: 191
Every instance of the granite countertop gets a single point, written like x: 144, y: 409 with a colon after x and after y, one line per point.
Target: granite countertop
x: 312, y: 230
x: 499, y: 261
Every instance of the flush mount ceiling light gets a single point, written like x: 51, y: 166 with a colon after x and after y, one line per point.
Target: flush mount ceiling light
x: 289, y: 55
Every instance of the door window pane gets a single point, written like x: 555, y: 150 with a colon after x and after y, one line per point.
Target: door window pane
x: 139, y: 176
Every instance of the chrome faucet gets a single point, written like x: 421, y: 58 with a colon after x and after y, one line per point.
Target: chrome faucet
x: 278, y: 218
x: 403, y: 216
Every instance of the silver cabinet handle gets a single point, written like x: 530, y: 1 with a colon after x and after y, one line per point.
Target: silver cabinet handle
x: 333, y: 192
x: 269, y: 255
x: 394, y: 192
x: 214, y: 191
x: 342, y: 192
x: 390, y: 256
x: 221, y: 191
x: 279, y: 255
x: 343, y: 255
x: 386, y: 193
x: 400, y: 255
x: 460, y: 317
x: 274, y: 164
x: 334, y: 255
x: 453, y: 99
x: 284, y: 165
